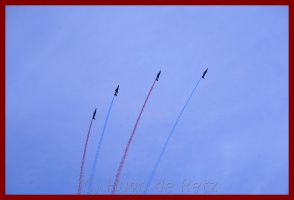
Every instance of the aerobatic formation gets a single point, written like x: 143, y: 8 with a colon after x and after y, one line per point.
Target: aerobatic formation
x: 114, y: 188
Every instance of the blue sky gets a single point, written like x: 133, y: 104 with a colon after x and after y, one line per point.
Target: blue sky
x: 64, y: 61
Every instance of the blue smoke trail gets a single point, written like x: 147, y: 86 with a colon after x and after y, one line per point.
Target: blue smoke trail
x: 99, y: 146
x: 170, y: 134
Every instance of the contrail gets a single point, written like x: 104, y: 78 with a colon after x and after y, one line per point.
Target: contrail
x: 99, y: 146
x: 129, y: 142
x: 83, y: 158
x: 170, y: 134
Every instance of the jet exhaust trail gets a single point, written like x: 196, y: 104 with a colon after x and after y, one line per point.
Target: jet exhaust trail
x: 84, y: 154
x: 130, y: 140
x: 99, y: 145
x: 170, y: 134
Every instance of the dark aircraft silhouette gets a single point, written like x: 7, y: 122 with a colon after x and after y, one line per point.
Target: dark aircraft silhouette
x: 116, y: 90
x: 157, y: 77
x: 204, y: 73
x: 94, y: 114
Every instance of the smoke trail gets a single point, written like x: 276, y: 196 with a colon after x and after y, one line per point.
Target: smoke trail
x: 170, y: 134
x: 129, y: 142
x: 83, y: 159
x: 99, y: 146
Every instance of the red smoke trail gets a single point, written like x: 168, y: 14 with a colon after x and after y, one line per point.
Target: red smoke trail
x: 83, y: 159
x: 129, y: 142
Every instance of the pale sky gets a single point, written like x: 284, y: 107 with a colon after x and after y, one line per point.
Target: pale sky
x: 62, y: 62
